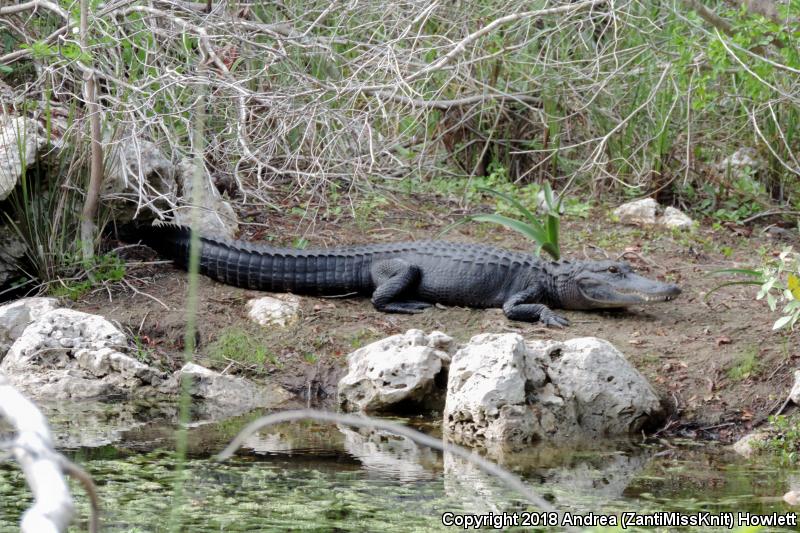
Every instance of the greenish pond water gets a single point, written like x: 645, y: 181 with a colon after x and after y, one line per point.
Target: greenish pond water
x: 317, y: 477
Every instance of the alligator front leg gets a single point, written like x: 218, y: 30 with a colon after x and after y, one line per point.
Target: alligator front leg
x: 517, y: 308
x: 393, y: 278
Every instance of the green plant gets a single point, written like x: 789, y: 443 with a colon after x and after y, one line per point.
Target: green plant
x: 545, y: 233
x: 746, y: 366
x: 107, y: 267
x: 778, y: 281
x: 785, y: 438
x: 237, y: 345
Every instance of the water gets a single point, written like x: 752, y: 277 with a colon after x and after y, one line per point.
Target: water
x: 316, y: 477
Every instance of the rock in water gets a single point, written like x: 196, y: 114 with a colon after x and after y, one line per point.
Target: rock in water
x: 501, y: 389
x: 69, y: 354
x: 399, y: 369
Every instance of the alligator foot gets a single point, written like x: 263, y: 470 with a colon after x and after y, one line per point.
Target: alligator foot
x: 529, y: 312
x: 551, y: 319
x: 408, y: 307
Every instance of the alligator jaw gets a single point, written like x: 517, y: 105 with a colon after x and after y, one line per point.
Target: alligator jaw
x: 635, y: 290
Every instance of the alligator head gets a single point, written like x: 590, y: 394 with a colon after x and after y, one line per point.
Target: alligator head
x: 608, y: 284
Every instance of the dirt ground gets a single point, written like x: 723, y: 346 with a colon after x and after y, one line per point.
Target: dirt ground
x: 716, y: 363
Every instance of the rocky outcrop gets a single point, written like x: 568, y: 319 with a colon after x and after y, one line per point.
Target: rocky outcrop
x: 66, y: 354
x: 138, y: 171
x: 230, y: 393
x: 69, y: 354
x: 20, y: 143
x: 274, y: 311
x: 396, y: 371
x: 215, y: 216
x: 501, y: 389
x: 748, y: 445
x: 647, y: 212
x: 18, y: 315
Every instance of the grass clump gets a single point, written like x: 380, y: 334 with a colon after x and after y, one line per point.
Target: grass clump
x: 747, y: 366
x: 236, y: 345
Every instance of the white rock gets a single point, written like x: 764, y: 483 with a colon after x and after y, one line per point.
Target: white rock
x: 792, y: 497
x: 675, y: 218
x: 136, y: 165
x: 270, y: 311
x: 647, y: 212
x: 640, y: 212
x: 500, y: 389
x: 19, y: 145
x: 230, y: 391
x: 17, y: 315
x: 740, y: 161
x: 747, y: 445
x: 70, y: 354
x: 215, y: 215
x: 794, y: 395
x: 400, y: 368
x: 610, y: 396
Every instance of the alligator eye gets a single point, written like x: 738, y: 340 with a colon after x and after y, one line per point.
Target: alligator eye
x: 613, y: 269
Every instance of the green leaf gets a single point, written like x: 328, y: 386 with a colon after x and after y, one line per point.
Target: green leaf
x: 728, y: 284
x: 781, y: 322
x: 742, y: 271
x: 514, y: 202
x: 536, y: 233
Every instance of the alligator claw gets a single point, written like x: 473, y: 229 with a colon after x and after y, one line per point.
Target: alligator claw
x: 554, y: 320
x: 410, y: 307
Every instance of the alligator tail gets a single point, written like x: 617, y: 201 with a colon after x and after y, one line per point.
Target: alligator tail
x: 257, y: 267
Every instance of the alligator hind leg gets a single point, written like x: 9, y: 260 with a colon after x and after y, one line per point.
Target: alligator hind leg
x: 516, y: 308
x: 393, y: 278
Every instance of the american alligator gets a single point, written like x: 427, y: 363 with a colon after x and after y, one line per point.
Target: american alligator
x: 407, y: 277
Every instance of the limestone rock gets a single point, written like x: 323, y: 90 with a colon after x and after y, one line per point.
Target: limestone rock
x: 70, y: 354
x: 794, y: 395
x: 272, y: 311
x: 742, y: 163
x: 640, y: 212
x: 138, y: 171
x: 19, y: 145
x: 215, y: 215
x: 748, y: 445
x: 647, y: 212
x: 610, y: 396
x: 502, y: 390
x: 487, y: 394
x: 401, y: 368
x: 230, y: 392
x: 17, y: 315
x: 675, y: 218
x: 792, y: 498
